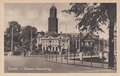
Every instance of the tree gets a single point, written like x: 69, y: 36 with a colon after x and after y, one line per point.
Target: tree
x: 29, y: 34
x: 73, y: 45
x: 7, y: 44
x: 12, y: 35
x: 91, y: 16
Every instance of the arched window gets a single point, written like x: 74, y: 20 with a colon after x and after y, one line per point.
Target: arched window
x: 53, y: 48
x: 56, y: 49
x: 43, y: 48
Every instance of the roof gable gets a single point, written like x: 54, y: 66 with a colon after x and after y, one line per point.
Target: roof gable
x: 54, y: 35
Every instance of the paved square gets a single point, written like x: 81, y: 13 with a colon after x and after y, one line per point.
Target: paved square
x: 38, y: 64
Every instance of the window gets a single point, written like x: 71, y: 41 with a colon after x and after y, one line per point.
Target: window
x: 43, y: 48
x: 56, y: 49
x: 53, y: 42
x: 46, y: 48
x: 53, y: 48
x: 50, y: 48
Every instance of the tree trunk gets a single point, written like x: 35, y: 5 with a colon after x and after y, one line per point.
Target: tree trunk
x: 12, y: 40
x: 111, y: 44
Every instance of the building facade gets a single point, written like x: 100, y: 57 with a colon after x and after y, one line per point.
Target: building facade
x: 54, y: 43
x: 62, y: 43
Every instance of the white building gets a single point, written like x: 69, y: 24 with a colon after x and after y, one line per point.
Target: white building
x: 54, y: 42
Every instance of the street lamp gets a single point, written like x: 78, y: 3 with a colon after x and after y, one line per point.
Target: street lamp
x: 49, y: 47
x: 60, y: 48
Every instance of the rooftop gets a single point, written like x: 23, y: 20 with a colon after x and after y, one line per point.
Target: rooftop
x: 53, y: 7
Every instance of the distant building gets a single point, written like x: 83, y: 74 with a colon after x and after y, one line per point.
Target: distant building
x: 38, y: 38
x: 53, y: 21
x: 87, y: 42
x: 70, y: 42
x: 53, y: 42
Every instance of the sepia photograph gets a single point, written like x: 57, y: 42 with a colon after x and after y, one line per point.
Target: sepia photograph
x: 60, y: 37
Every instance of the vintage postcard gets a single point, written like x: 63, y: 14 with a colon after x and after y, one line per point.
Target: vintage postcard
x: 59, y: 37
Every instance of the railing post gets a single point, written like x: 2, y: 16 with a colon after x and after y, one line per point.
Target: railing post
x: 82, y: 58
x: 91, y: 57
x: 70, y: 56
x: 61, y: 57
x: 74, y: 57
x: 102, y: 60
x: 67, y: 57
x: 49, y: 56
x: 52, y: 57
x: 56, y: 58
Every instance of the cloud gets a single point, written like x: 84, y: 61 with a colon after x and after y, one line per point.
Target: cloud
x: 37, y: 15
x: 29, y: 17
x: 64, y: 17
x: 32, y: 14
x: 12, y: 15
x: 67, y: 20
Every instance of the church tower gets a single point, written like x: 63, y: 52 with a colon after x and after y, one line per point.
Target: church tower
x: 53, y: 21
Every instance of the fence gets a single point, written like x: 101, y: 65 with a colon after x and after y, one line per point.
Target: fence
x: 80, y: 59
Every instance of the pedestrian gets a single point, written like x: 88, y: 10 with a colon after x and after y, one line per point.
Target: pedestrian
x: 24, y: 52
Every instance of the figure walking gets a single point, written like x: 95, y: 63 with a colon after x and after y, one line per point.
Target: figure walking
x: 24, y: 52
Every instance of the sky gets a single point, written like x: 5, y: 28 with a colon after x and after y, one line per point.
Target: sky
x: 37, y: 14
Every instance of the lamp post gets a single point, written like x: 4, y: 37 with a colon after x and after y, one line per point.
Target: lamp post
x: 92, y: 48
x: 67, y: 49
x: 60, y: 48
x: 91, y: 52
x: 56, y: 54
x: 66, y: 40
x: 49, y: 47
